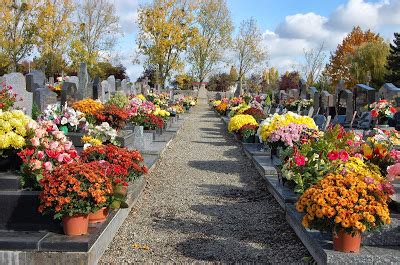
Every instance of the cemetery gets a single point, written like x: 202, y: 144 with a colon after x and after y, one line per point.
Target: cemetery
x: 199, y: 131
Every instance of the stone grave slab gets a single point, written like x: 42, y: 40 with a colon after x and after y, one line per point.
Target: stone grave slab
x: 104, y: 95
x: 42, y: 97
x: 265, y: 165
x: 18, y: 83
x: 111, y: 84
x: 255, y: 150
x: 69, y: 93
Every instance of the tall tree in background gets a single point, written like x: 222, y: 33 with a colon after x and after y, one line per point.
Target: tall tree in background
x: 18, y: 28
x: 166, y: 29
x: 368, y: 63
x: 233, y: 74
x: 215, y: 28
x: 314, y: 62
x: 271, y: 79
x: 393, y: 62
x: 339, y: 68
x: 97, y: 31
x: 290, y: 80
x: 249, y: 51
x: 53, y: 41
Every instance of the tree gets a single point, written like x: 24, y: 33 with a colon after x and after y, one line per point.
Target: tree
x: 215, y: 28
x: 254, y: 83
x: 290, y: 80
x: 18, y: 28
x: 105, y: 69
x: 98, y: 27
x: 248, y: 48
x: 271, y: 79
x: 219, y: 82
x: 393, y: 62
x: 183, y: 81
x: 166, y: 29
x: 314, y: 59
x: 368, y: 63
x: 151, y: 75
x: 233, y: 74
x: 53, y: 41
x: 338, y: 67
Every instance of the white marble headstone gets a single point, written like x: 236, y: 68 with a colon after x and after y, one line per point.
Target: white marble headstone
x: 111, y: 84
x: 104, y: 95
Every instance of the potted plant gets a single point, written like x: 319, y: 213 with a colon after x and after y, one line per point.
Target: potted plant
x: 238, y: 121
x: 257, y: 113
x: 346, y: 205
x: 72, y: 191
x: 248, y: 133
x: 15, y: 129
x: 382, y: 110
x: 115, y: 116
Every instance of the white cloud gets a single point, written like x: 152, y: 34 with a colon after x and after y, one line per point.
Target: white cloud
x: 127, y: 13
x: 309, y: 25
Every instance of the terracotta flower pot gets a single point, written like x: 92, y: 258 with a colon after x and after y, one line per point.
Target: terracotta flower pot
x: 345, y: 242
x: 98, y: 216
x: 75, y: 225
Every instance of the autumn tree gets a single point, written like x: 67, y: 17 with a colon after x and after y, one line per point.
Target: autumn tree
x: 368, y: 62
x: 290, y: 80
x: 314, y: 62
x: 233, y: 74
x: 339, y: 67
x: 248, y: 48
x: 393, y: 62
x: 271, y: 79
x: 105, y: 69
x: 166, y: 29
x: 18, y: 28
x: 97, y: 30
x: 254, y: 83
x: 183, y: 81
x: 53, y: 41
x: 215, y: 27
x: 219, y: 82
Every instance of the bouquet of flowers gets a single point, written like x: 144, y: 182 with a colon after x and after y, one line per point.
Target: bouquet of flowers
x: 382, y: 109
x: 236, y: 101
x: 15, y: 127
x: 67, y: 119
x: 240, y: 109
x: 47, y: 149
x: 151, y: 122
x: 257, y: 113
x: 119, y: 99
x: 240, y: 120
x: 291, y: 134
x: 344, y: 202
x: 99, y: 134
x: 7, y: 98
x: 222, y: 108
x: 163, y: 114
x: 248, y: 131
x: 130, y: 160
x: 88, y: 106
x: 116, y: 117
x: 75, y: 188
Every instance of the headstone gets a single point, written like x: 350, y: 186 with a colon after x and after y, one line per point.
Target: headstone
x: 85, y: 91
x: 69, y: 93
x: 238, y: 90
x: 96, y: 88
x: 124, y: 86
x: 303, y: 89
x: 111, y: 84
x: 51, y: 80
x: 42, y: 97
x: 344, y: 102
x: 118, y: 85
x: 30, y: 84
x: 314, y: 95
x: 145, y: 86
x: 363, y: 96
x: 39, y: 77
x: 218, y: 96
x: 138, y: 137
x: 389, y: 92
x: 24, y: 98
x: 74, y: 79
x: 294, y: 93
x: 104, y: 95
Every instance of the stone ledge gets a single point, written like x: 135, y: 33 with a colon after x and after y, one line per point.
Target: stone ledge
x: 282, y: 194
x: 255, y: 150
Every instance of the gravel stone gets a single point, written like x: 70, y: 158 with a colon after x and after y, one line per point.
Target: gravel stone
x: 205, y: 202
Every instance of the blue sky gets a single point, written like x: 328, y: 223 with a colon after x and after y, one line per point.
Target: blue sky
x: 289, y: 26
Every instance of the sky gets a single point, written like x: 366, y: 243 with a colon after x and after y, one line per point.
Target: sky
x: 288, y: 26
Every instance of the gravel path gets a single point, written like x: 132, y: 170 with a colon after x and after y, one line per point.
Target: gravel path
x: 205, y: 202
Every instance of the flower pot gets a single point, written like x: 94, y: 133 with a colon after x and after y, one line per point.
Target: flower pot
x: 383, y: 121
x: 10, y: 161
x: 98, y: 216
x: 345, y: 242
x: 75, y: 225
x: 250, y: 139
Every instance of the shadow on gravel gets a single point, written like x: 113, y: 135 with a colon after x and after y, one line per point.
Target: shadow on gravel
x: 219, y: 143
x: 227, y: 167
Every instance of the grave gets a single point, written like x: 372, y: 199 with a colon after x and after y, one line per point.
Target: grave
x: 96, y: 88
x: 389, y: 92
x: 363, y: 96
x: 314, y: 95
x: 39, y: 78
x: 303, y: 89
x: 74, y: 79
x: 84, y: 89
x: 124, y: 87
x: 327, y: 103
x: 69, y: 93
x: 104, y: 95
x: 344, y: 102
x: 42, y: 97
x: 111, y: 85
x: 294, y: 93
x: 118, y: 85
x: 24, y: 98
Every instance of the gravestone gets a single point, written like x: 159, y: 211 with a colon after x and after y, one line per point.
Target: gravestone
x: 303, y: 89
x: 145, y: 86
x: 314, y: 95
x: 218, y: 96
x: 74, y: 79
x: 39, y: 77
x: 327, y: 102
x: 389, y: 92
x: 344, y: 102
x: 105, y: 95
x: 124, y: 86
x: 69, y: 93
x: 30, y: 84
x: 138, y: 137
x: 111, y: 85
x: 363, y: 96
x: 238, y: 90
x: 85, y: 91
x: 118, y: 85
x: 42, y: 97
x: 133, y: 90
x: 51, y: 80
x: 294, y: 93
x: 18, y: 84
x: 96, y: 88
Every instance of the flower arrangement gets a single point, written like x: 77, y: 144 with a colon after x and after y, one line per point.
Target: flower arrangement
x: 257, y: 113
x: 277, y: 121
x: 75, y: 188
x: 240, y: 120
x: 67, y: 119
x: 88, y: 106
x: 151, y: 122
x: 240, y: 109
x: 248, y: 131
x: 47, y: 149
x: 116, y: 117
x: 236, y: 101
x: 344, y: 202
x: 162, y: 113
x: 100, y: 134
x: 130, y: 160
x: 14, y: 128
x: 216, y: 103
x: 382, y: 109
x: 291, y: 134
x: 119, y: 99
x: 7, y: 98
x: 222, y: 108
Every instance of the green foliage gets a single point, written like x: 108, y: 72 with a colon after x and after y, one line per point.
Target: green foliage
x: 119, y: 99
x: 393, y: 62
x: 35, y: 112
x: 220, y: 82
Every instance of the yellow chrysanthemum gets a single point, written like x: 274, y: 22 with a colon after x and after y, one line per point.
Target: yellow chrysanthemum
x: 238, y: 121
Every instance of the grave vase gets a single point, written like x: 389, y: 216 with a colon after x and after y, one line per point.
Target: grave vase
x: 383, y: 121
x: 249, y: 139
x: 10, y: 160
x: 75, y: 225
x: 98, y: 216
x: 346, y: 242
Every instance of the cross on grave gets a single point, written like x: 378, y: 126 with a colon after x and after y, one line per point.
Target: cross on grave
x: 42, y: 97
x: 69, y: 93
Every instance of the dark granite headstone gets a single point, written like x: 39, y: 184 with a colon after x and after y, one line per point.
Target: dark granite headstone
x: 42, y: 97
x: 69, y: 94
x: 96, y: 87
